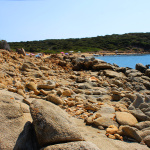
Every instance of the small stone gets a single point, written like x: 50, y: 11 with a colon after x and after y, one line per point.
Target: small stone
x: 112, y: 129
x: 66, y: 93
x: 125, y: 118
x: 54, y: 99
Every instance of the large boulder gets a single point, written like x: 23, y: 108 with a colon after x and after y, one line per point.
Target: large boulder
x: 133, y: 73
x: 131, y: 132
x: 114, y: 74
x: 21, y: 51
x: 12, y: 121
x: 81, y: 145
x: 140, y: 67
x: 102, y: 66
x: 52, y: 123
x: 125, y: 118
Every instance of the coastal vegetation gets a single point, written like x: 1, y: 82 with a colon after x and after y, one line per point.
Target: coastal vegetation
x: 137, y: 42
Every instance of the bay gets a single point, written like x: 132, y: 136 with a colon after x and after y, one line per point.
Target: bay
x: 126, y: 60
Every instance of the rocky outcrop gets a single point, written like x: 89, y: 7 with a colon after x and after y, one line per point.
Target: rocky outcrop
x: 105, y: 96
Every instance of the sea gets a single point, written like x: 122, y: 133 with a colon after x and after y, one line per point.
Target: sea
x: 126, y: 60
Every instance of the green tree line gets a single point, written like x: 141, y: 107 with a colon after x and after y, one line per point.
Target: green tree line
x: 129, y: 41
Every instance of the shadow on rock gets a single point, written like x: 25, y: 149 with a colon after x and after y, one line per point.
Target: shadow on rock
x: 27, y: 139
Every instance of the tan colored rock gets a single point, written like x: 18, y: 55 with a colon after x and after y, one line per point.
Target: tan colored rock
x: 89, y: 106
x: 117, y: 136
x: 12, y: 121
x: 147, y: 140
x: 71, y: 103
x: 125, y: 118
x: 12, y: 90
x: 54, y: 99
x: 104, y: 121
x: 21, y: 92
x: 52, y: 123
x: 131, y: 132
x: 111, y: 136
x: 113, y: 74
x: 112, y: 129
x: 89, y: 120
x: 2, y: 86
x: 67, y: 93
x: 33, y: 86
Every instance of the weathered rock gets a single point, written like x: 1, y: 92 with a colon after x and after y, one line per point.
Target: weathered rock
x: 2, y: 86
x: 52, y: 123
x: 12, y: 121
x: 67, y: 93
x: 138, y: 101
x: 107, y: 111
x: 104, y: 98
x: 84, y: 86
x: 116, y: 97
x: 125, y: 118
x: 44, y: 68
x: 80, y: 79
x: 144, y: 133
x: 147, y: 140
x: 54, y: 99
x: 21, y: 92
x: 62, y: 63
x: 139, y: 114
x: 142, y: 125
x: 33, y: 86
x: 21, y: 51
x: 131, y: 132
x: 132, y: 97
x: 89, y: 106
x: 102, y: 66
x: 83, y: 145
x: 48, y: 84
x: 112, y: 129
x: 140, y: 67
x: 147, y: 73
x: 114, y: 74
x: 133, y: 73
x: 104, y: 121
x: 143, y: 106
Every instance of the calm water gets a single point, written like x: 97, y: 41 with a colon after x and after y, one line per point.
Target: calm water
x: 126, y: 60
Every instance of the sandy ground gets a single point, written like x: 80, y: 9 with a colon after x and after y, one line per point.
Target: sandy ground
x: 98, y: 137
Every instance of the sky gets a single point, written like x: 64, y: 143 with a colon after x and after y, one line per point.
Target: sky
x: 29, y: 20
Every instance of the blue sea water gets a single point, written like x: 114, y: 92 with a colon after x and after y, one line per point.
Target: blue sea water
x: 126, y: 60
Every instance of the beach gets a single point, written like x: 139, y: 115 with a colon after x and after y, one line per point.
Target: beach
x: 72, y: 102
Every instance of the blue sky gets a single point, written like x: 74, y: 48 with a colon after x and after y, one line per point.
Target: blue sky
x: 27, y: 20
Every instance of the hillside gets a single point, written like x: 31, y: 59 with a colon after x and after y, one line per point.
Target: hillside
x: 136, y: 42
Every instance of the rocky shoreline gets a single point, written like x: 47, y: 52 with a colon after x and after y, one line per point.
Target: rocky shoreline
x: 41, y: 96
